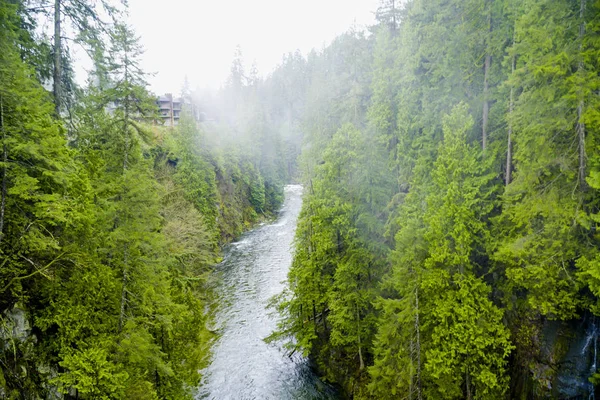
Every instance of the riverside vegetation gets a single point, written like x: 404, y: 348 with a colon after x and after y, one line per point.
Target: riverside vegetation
x: 447, y: 247
x: 109, y: 223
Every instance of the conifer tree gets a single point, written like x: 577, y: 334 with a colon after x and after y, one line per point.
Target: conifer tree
x: 540, y: 240
x: 85, y: 18
x: 41, y: 189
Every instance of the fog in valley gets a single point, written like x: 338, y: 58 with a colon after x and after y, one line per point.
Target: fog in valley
x: 382, y: 199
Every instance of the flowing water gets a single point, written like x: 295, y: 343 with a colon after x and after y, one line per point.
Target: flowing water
x: 253, y: 271
x: 580, y: 360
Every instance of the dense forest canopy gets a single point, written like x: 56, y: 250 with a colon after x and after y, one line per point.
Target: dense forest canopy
x: 447, y: 245
x: 109, y: 221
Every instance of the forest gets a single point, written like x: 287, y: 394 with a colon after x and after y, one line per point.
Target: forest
x: 110, y: 223
x: 447, y: 246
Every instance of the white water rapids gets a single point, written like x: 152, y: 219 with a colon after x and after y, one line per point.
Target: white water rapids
x: 243, y: 366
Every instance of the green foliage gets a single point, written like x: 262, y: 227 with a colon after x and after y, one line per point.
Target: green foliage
x: 469, y: 343
x: 478, y: 241
x: 106, y: 245
x: 540, y: 240
x: 337, y: 261
x: 91, y: 374
x: 426, y: 263
x: 39, y: 195
x: 193, y: 169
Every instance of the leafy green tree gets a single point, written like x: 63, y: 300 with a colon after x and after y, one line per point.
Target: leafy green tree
x: 194, y: 171
x: 398, y: 346
x: 85, y: 18
x: 469, y: 343
x: 388, y: 14
x: 585, y: 82
x: 540, y: 240
x: 37, y: 171
x: 41, y: 189
x: 446, y: 337
x: 91, y: 374
x: 339, y: 261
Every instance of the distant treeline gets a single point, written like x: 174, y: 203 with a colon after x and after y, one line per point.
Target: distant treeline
x: 448, y: 245
x: 109, y: 223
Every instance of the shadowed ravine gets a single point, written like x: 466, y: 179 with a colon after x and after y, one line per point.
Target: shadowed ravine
x: 253, y: 271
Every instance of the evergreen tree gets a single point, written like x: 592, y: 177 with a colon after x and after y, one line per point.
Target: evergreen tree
x: 41, y: 189
x: 85, y: 18
x: 540, y: 240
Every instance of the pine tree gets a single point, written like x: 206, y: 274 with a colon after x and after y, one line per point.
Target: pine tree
x: 388, y: 14
x: 85, y: 18
x: 398, y: 351
x: 41, y: 189
x: 469, y: 343
x: 540, y: 240
x: 37, y: 171
x: 585, y: 82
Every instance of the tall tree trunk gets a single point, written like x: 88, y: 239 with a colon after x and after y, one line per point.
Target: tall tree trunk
x: 4, y: 169
x: 581, y: 134
x: 581, y: 106
x: 486, y: 103
x: 125, y: 166
x: 468, y: 382
x: 418, y: 344
x: 126, y: 140
x: 124, y: 288
x: 360, y: 356
x: 411, y: 382
x: 126, y: 116
x: 486, y: 74
x: 314, y: 307
x: 511, y: 106
x: 57, y: 88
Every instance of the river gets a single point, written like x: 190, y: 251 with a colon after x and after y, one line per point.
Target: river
x: 243, y: 366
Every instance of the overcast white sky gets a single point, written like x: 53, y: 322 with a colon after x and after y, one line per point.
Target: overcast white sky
x: 197, y: 38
